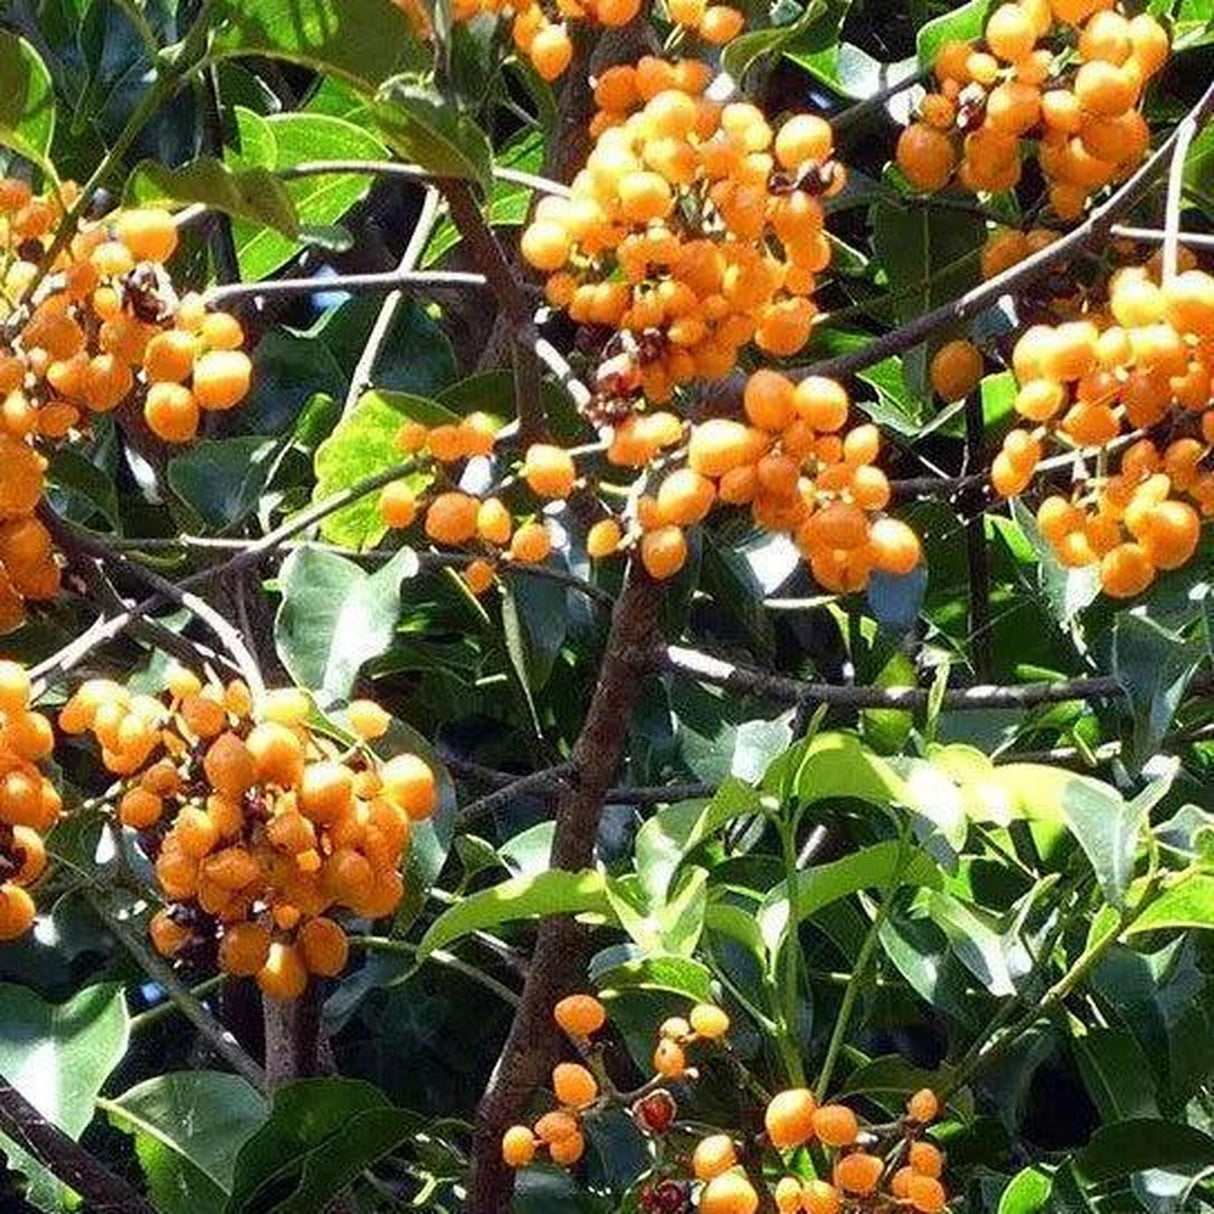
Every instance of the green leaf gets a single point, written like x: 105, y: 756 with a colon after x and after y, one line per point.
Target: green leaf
x: 360, y: 446
x: 57, y: 1055
x: 555, y: 892
x: 993, y: 957
x: 188, y: 1127
x: 1135, y: 1145
x: 254, y: 194
x: 320, y: 1135
x: 420, y: 126
x: 1067, y: 591
x: 71, y: 473
x: 535, y: 619
x: 283, y: 140
x: 621, y: 968
x: 962, y: 25
x: 892, y: 1075
x: 874, y: 867
x: 335, y: 616
x: 1154, y: 666
x: 820, y: 18
x: 222, y: 480
x: 1029, y: 1193
x: 1116, y: 1074
x: 725, y: 573
x: 839, y: 765
x: 1187, y: 904
x: 363, y: 41
x: 674, y: 832
x: 27, y: 101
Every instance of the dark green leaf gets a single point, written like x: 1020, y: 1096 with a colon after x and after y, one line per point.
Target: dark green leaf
x: 321, y: 1133
x: 420, y: 126
x: 555, y: 892
x: 221, y: 481
x: 1116, y: 1074
x: 624, y: 967
x: 1154, y: 666
x: 363, y: 41
x: 335, y: 616
x: 27, y: 101
x: 1141, y: 1143
x: 188, y: 1128
x: 254, y: 194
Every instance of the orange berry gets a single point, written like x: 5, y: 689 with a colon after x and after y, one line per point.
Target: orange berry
x: 926, y: 1194
x: 451, y: 518
x: 324, y: 947
x: 820, y: 1197
x: 731, y: 1193
x: 549, y: 470
x: 664, y: 551
x: 835, y: 1125
x: 789, y: 1118
x: 168, y: 936
x: 140, y: 809
x: 709, y: 1021
x: 553, y: 1127
x: 518, y: 1146
x: 603, y: 539
x: 1126, y: 571
x: 1010, y: 33
x: 397, y: 504
x: 531, y: 544
x: 803, y: 137
x: 580, y: 1015
x: 150, y: 235
x: 926, y: 157
x: 721, y: 24
x: 367, y: 719
x: 956, y: 370
x: 244, y: 949
x: 669, y: 1059
x: 567, y: 1151
x: 409, y: 783
x: 925, y: 1159
x: 284, y: 976
x: 574, y: 1085
x: 712, y: 1156
x: 858, y: 1172
x: 551, y: 52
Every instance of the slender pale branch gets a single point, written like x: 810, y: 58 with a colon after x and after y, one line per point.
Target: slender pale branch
x: 362, y: 375
x: 414, y: 172
x: 389, y: 280
x: 1184, y: 136
x: 1195, y: 240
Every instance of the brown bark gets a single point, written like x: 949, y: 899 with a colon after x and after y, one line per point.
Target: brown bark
x: 557, y: 964
x: 293, y: 1037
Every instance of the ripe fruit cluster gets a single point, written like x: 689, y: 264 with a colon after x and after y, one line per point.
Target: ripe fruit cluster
x: 29, y: 803
x: 103, y: 327
x: 1066, y: 74
x: 261, y: 825
x: 693, y: 229
x: 870, y: 1168
x: 579, y: 1093
x: 1144, y: 365
x: 542, y: 33
x: 456, y: 519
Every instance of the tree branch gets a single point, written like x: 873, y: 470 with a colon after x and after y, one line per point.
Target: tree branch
x: 487, y: 254
x: 102, y: 1190
x: 389, y: 280
x: 556, y: 964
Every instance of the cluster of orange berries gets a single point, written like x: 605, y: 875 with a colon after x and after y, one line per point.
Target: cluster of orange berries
x: 905, y: 1175
x: 1080, y: 104
x: 578, y: 1092
x: 794, y: 464
x: 271, y: 824
x: 872, y: 1168
x: 543, y: 36
x: 1143, y: 365
x: 29, y: 802
x: 694, y: 227
x: 101, y: 327
x: 457, y: 519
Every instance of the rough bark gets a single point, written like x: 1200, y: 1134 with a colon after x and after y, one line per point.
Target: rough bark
x: 557, y: 964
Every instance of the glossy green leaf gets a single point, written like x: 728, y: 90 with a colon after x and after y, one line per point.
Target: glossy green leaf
x: 1116, y: 1074
x: 362, y: 41
x: 360, y: 446
x: 58, y: 1055
x: 420, y: 126
x: 961, y: 24
x: 335, y: 616
x: 1187, y: 904
x: 27, y: 100
x: 188, y: 1127
x: 1140, y: 1143
x: 253, y: 194
x: 555, y: 892
x: 320, y: 1134
x: 622, y: 968
x: 1154, y: 665
x: 222, y: 480
x: 1029, y: 1193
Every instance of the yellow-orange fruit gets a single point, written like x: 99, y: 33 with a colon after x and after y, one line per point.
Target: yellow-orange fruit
x: 789, y: 1117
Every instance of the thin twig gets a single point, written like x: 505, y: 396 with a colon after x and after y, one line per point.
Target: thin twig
x: 1196, y: 240
x: 487, y: 254
x: 749, y: 679
x: 977, y: 566
x: 218, y: 1037
x: 414, y: 172
x: 1184, y: 136
x: 1095, y: 227
x: 364, y: 369
x: 389, y: 280
x: 547, y: 781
